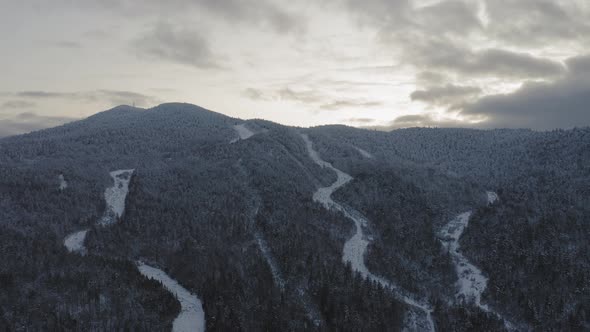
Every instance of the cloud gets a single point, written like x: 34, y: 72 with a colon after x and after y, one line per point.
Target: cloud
x: 284, y: 94
x: 419, y: 120
x: 304, y: 96
x: 253, y: 94
x: 349, y: 103
x: 362, y: 121
x: 254, y: 11
x: 563, y: 103
x: 17, y: 104
x: 188, y: 47
x: 446, y: 95
x: 260, y: 13
x: 43, y: 94
x: 27, y: 122
x: 115, y: 97
x: 67, y: 44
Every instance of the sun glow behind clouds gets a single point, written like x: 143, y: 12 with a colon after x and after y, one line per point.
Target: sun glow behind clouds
x: 298, y: 62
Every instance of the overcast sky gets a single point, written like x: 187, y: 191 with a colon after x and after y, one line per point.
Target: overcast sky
x: 371, y: 63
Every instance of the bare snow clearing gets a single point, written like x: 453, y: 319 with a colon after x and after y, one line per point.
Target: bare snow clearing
x: 75, y: 242
x: 115, y: 196
x: 243, y: 132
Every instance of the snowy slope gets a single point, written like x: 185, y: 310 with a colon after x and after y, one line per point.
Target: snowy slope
x: 75, y: 242
x: 115, y: 196
x: 192, y: 316
x: 355, y: 248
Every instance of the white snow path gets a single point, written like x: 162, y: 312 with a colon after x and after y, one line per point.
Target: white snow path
x: 115, y: 196
x: 471, y: 281
x: 62, y: 182
x: 75, y: 242
x: 243, y: 132
x: 364, y: 153
x: 355, y: 248
x: 192, y: 316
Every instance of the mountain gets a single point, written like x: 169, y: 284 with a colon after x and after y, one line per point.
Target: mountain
x: 260, y: 226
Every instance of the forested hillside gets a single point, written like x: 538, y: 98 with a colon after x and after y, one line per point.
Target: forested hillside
x: 225, y: 207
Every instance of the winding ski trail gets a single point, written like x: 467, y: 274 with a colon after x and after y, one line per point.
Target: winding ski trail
x: 355, y: 248
x: 192, y: 316
x: 115, y: 201
x: 471, y: 281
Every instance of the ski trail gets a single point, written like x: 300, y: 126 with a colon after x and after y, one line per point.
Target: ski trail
x: 75, y: 242
x: 274, y: 268
x: 192, y: 316
x: 115, y: 196
x: 471, y: 282
x: 355, y: 248
x: 243, y: 132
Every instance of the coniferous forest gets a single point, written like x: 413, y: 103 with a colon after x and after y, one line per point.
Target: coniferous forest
x: 234, y: 221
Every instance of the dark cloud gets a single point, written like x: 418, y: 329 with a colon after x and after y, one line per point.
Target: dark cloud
x: 27, y: 122
x: 446, y: 95
x: 444, y: 55
x: 188, y: 47
x: 564, y: 103
x: 538, y: 22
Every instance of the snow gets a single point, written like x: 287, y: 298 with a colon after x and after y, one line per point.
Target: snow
x: 492, y: 197
x: 364, y: 153
x: 192, y: 316
x: 75, y: 242
x: 471, y: 281
x: 115, y: 196
x: 243, y: 132
x: 355, y: 248
x: 62, y: 182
